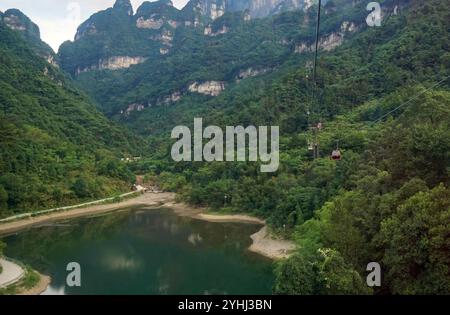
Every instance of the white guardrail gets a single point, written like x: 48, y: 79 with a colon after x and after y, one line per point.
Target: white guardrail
x: 37, y: 213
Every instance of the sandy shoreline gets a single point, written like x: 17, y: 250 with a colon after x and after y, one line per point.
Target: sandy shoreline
x: 39, y: 288
x: 266, y: 245
x: 199, y: 213
x: 263, y: 243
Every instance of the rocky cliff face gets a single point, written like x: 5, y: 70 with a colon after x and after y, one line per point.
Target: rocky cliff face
x: 292, y: 5
x: 153, y: 15
x: 151, y: 23
x: 209, y: 31
x: 212, y: 9
x: 124, y: 6
x: 88, y: 28
x: 329, y: 42
x: 110, y: 18
x: 263, y: 8
x: 113, y: 63
x: 17, y: 21
x: 159, y: 14
x: 211, y: 88
x: 251, y: 72
x: 256, y: 8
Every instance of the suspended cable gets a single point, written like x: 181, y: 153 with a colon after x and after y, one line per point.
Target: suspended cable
x: 410, y: 100
x: 317, y: 41
x: 314, y: 129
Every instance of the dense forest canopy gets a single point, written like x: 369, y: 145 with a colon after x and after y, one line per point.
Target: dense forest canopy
x: 56, y: 148
x: 382, y: 95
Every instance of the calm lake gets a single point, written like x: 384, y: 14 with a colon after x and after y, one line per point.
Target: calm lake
x: 139, y: 251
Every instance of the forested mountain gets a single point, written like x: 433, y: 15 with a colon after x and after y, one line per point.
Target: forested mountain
x: 137, y: 66
x: 56, y: 148
x: 19, y: 22
x: 255, y: 8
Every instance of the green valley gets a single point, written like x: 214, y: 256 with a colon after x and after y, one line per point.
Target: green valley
x: 381, y: 99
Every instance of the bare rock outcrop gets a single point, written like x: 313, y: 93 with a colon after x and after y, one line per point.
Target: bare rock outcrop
x: 211, y: 88
x: 113, y: 63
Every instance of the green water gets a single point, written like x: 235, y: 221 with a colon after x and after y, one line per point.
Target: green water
x: 145, y: 252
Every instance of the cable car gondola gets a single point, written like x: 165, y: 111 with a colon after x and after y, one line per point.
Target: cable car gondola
x: 336, y: 155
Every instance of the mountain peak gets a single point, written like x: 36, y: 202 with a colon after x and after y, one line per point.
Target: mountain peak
x: 124, y: 5
x: 18, y: 21
x: 166, y: 2
x: 155, y: 6
x: 209, y: 8
x: 256, y: 8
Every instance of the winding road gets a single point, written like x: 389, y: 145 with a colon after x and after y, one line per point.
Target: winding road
x: 11, y: 273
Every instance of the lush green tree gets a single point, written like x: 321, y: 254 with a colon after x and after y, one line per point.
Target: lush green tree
x: 2, y: 248
x: 81, y: 188
x: 417, y: 244
x: 323, y: 271
x: 3, y: 198
x: 296, y: 276
x: 338, y: 277
x: 51, y: 133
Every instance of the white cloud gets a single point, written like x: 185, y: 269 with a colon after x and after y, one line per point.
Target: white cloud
x: 58, y: 20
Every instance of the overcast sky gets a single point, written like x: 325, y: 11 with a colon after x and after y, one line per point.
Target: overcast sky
x: 58, y: 19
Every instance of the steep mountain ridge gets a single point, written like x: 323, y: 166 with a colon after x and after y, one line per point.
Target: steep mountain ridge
x: 158, y: 56
x: 18, y: 21
x: 57, y: 149
x: 255, y: 8
x: 195, y: 13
